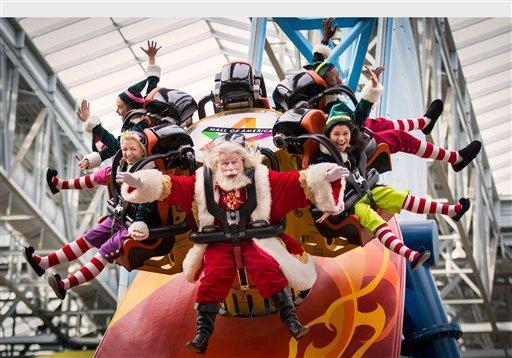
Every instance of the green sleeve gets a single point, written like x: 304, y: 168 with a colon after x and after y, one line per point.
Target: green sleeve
x: 107, y: 138
x: 147, y: 212
x: 362, y: 111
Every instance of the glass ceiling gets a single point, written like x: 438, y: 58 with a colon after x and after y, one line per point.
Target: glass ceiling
x: 97, y: 58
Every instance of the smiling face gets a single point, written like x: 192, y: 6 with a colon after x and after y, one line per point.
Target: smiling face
x: 132, y: 151
x: 332, y: 77
x: 340, y: 135
x: 122, y: 108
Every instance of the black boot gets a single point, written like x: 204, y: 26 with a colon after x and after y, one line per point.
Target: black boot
x: 50, y: 173
x: 205, y: 322
x: 468, y: 153
x: 424, y: 256
x: 29, y: 256
x: 433, y: 112
x: 283, y: 300
x: 465, y: 203
x: 55, y: 283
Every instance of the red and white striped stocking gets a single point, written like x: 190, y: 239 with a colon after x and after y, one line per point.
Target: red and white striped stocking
x: 393, y: 243
x: 429, y: 150
x: 425, y: 206
x: 85, y: 182
x: 407, y: 125
x: 86, y: 273
x: 67, y: 253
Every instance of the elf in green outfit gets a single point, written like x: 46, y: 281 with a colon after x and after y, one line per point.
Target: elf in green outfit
x: 105, y: 145
x: 347, y: 138
x: 393, y: 132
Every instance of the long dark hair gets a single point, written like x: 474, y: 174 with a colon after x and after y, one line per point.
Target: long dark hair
x: 357, y: 142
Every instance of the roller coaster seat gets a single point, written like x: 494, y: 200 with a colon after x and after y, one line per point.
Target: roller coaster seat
x: 296, y: 122
x: 169, y: 147
x: 378, y: 155
x: 294, y: 90
x: 346, y: 224
x: 238, y: 86
x: 177, y: 105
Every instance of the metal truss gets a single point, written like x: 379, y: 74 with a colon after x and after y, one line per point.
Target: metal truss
x: 38, y: 130
x: 468, y: 249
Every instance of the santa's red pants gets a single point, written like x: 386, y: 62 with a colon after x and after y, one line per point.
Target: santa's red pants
x: 220, y: 271
x: 397, y: 140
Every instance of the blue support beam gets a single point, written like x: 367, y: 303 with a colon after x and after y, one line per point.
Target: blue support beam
x: 257, y: 42
x: 359, y: 34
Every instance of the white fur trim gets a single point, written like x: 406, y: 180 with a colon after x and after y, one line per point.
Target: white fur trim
x: 90, y: 123
x: 322, y: 189
x: 261, y: 212
x: 193, y: 261
x: 323, y: 50
x: 150, y: 190
x: 300, y: 275
x: 94, y: 159
x: 370, y: 93
x: 140, y: 227
x: 153, y: 70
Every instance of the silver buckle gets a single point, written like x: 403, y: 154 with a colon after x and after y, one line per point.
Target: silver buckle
x: 118, y: 208
x: 233, y: 217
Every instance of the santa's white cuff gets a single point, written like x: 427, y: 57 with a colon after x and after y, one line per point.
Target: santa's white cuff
x: 141, y: 230
x: 323, y: 50
x: 90, y: 123
x: 153, y: 70
x: 321, y: 189
x: 370, y: 93
x: 153, y: 186
x: 94, y: 160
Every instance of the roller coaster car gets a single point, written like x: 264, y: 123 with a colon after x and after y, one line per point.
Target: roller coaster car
x: 168, y: 146
x: 298, y: 131
x: 237, y: 86
x: 298, y: 89
x: 170, y: 105
x: 297, y: 122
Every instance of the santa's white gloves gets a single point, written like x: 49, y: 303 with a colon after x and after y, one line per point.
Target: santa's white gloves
x: 336, y: 173
x: 138, y: 231
x: 128, y: 179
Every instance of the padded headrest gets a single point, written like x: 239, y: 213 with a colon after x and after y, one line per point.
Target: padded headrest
x: 300, y: 87
x: 172, y: 103
x: 166, y: 137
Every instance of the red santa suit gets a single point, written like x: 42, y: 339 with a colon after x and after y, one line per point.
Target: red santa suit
x: 272, y: 263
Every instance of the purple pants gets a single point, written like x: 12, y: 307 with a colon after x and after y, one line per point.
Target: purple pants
x: 99, y: 237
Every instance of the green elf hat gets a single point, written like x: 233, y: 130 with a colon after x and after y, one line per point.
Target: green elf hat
x: 132, y: 96
x: 337, y: 116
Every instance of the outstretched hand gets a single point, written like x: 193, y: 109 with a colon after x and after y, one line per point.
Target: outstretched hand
x: 327, y: 30
x: 151, y: 51
x: 84, y: 112
x: 336, y: 173
x: 128, y: 179
x: 374, y: 74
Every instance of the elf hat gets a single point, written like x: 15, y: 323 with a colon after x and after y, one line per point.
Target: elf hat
x: 132, y: 96
x: 336, y: 117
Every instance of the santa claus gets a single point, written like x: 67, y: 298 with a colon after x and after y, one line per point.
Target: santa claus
x: 273, y: 263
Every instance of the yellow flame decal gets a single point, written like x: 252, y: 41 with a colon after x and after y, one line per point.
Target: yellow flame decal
x: 333, y: 318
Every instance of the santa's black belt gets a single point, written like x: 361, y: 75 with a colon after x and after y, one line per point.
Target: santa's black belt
x: 213, y: 234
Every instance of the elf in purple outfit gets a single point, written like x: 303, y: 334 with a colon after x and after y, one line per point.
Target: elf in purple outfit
x: 107, y: 236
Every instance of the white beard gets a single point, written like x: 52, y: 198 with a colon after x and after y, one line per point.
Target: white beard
x: 227, y: 184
